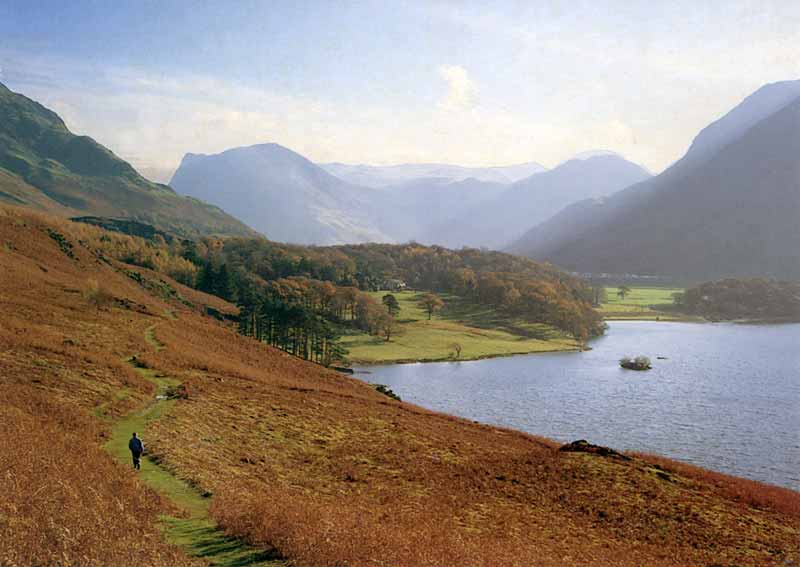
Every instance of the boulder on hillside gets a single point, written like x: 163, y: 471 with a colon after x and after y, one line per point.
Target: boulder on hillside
x: 583, y: 446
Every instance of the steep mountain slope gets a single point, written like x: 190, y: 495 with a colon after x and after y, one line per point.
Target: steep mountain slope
x: 731, y: 206
x: 277, y: 190
x: 383, y: 175
x: 44, y: 166
x: 753, y: 109
x: 534, y: 199
x: 288, y: 453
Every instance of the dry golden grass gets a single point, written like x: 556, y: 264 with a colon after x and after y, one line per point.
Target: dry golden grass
x: 64, y: 501
x: 325, y: 469
x: 310, y: 461
x: 749, y: 492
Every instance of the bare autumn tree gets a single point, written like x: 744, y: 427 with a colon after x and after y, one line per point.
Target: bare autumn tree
x: 386, y: 323
x: 431, y: 303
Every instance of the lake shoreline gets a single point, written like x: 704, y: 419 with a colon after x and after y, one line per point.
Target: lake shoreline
x: 652, y: 318
x: 390, y: 362
x: 583, y: 348
x: 656, y: 318
x: 665, y: 412
x: 687, y: 318
x: 393, y: 361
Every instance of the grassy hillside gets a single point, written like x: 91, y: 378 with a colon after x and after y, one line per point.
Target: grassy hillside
x: 296, y: 458
x: 46, y: 167
x: 479, y: 330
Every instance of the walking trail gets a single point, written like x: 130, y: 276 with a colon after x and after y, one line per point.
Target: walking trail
x: 196, y: 532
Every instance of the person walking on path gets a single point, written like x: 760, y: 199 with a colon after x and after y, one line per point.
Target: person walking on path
x: 137, y: 448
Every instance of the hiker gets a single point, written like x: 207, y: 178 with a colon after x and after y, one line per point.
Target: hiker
x: 137, y: 448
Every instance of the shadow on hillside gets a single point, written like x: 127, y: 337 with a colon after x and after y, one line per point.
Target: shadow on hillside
x: 483, y: 317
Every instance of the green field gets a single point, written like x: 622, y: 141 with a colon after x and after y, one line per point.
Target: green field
x: 641, y: 303
x: 480, y: 331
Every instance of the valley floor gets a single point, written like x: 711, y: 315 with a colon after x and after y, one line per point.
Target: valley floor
x: 643, y: 303
x: 479, y: 330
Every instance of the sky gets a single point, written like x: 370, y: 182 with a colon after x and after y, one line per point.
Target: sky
x: 470, y: 83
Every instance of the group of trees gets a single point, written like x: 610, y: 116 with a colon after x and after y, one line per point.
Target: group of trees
x: 307, y: 286
x: 517, y: 286
x: 217, y: 280
x: 563, y: 304
x: 155, y: 253
x: 731, y: 299
x: 293, y: 328
x: 300, y: 315
x: 303, y: 316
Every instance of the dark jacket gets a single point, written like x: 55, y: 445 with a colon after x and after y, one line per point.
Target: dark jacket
x: 136, y: 446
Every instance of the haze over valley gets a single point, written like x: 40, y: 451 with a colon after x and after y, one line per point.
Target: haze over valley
x: 280, y: 192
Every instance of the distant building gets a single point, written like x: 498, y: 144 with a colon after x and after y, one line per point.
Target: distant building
x: 392, y: 284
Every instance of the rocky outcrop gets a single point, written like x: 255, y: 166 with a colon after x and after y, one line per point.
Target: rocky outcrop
x: 583, y: 446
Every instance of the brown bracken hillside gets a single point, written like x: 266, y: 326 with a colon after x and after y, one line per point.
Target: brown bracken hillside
x: 316, y: 464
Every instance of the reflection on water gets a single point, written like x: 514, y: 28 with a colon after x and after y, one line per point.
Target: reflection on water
x: 727, y: 397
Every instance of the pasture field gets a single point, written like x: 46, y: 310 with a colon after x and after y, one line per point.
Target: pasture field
x: 645, y: 303
x: 479, y: 330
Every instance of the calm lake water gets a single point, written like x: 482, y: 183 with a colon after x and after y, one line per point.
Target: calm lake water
x: 726, y: 398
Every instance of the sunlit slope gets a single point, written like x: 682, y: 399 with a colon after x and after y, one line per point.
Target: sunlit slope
x: 45, y: 166
x: 304, y: 459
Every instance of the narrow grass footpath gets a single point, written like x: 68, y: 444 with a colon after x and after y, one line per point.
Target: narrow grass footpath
x: 195, y: 532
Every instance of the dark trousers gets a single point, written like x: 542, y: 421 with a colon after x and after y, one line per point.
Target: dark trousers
x: 136, y: 457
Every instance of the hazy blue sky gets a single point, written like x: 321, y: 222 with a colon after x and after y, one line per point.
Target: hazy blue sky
x: 479, y: 83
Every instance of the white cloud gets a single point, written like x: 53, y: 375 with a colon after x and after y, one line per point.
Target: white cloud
x: 552, y: 82
x: 461, y: 90
x: 152, y: 120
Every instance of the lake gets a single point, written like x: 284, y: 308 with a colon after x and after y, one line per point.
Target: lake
x: 727, y: 397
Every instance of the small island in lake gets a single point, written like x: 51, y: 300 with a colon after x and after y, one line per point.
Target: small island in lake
x: 638, y: 363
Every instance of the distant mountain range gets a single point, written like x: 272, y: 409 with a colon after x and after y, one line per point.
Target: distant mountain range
x: 385, y: 175
x: 729, y: 207
x: 46, y: 167
x: 498, y: 222
x: 282, y: 193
